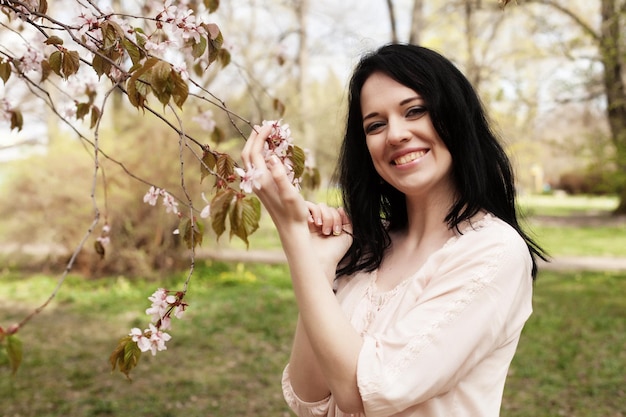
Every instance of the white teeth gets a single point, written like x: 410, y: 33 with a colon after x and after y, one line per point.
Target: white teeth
x: 409, y: 157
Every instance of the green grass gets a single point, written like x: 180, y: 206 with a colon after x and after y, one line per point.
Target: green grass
x: 571, y: 359
x: 226, y: 355
x: 566, y: 205
x: 582, y: 241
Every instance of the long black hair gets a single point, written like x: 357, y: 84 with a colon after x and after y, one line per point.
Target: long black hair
x: 481, y: 169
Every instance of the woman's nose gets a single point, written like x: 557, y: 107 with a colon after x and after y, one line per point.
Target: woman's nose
x: 397, y: 132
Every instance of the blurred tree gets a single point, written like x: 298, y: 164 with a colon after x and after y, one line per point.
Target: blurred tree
x: 605, y: 30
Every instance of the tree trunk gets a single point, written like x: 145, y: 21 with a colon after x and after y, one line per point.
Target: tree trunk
x: 417, y: 22
x: 611, y: 57
x: 392, y: 21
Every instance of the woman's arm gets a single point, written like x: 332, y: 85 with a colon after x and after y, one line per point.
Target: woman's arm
x: 324, y: 332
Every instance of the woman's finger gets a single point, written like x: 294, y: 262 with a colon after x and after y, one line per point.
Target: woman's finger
x: 252, y: 153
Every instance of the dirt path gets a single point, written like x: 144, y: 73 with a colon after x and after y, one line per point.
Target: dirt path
x: 563, y: 263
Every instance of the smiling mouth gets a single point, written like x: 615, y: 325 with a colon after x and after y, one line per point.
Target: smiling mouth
x: 409, y: 157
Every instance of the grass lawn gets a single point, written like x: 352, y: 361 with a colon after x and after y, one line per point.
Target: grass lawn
x: 226, y: 355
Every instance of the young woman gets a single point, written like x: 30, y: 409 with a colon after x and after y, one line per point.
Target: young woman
x: 413, y: 296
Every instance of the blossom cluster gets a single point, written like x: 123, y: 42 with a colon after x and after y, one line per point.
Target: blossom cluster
x: 278, y: 143
x: 104, y: 237
x: 163, y: 306
x: 152, y: 197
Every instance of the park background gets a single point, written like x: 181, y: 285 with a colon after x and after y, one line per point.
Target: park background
x: 539, y: 69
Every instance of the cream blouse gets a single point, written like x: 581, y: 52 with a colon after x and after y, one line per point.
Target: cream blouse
x: 441, y: 342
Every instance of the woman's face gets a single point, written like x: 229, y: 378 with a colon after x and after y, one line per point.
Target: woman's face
x: 405, y: 148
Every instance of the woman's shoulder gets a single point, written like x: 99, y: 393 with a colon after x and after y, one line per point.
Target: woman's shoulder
x: 488, y: 234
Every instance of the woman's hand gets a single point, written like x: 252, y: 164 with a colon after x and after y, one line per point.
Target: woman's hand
x: 329, y: 228
x: 331, y: 233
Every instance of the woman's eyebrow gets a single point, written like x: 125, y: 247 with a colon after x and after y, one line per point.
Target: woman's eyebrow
x: 402, y: 103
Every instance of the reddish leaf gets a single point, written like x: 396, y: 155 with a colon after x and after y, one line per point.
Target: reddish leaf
x: 279, y: 106
x: 207, y: 165
x: 192, y: 234
x: 220, y: 207
x: 70, y: 64
x: 99, y: 247
x: 225, y: 166
x: 17, y: 121
x: 218, y: 135
x: 5, y: 70
x: 43, y: 7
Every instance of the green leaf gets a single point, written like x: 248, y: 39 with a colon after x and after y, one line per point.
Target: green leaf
x: 199, y: 48
x: 279, y: 107
x: 55, y: 60
x: 160, y: 77
x: 45, y: 70
x: 220, y: 207
x: 224, y: 57
x: 135, y: 54
x: 112, y: 34
x: 82, y: 109
x: 211, y: 5
x: 311, y: 179
x: 95, y: 116
x: 14, y: 352
x: 180, y: 90
x: 244, y: 217
x: 100, y: 65
x: 54, y: 40
x: 125, y: 356
x: 137, y: 85
x: 207, y: 165
x: 297, y: 156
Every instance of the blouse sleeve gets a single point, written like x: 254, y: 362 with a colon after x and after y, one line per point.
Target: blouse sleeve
x: 474, y: 298
x: 303, y: 408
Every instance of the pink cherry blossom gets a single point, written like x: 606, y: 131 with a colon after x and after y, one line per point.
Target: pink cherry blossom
x: 206, y: 211
x: 206, y: 121
x: 157, y: 340
x: 249, y: 179
x: 171, y: 206
x: 31, y: 61
x: 143, y: 343
x: 152, y: 196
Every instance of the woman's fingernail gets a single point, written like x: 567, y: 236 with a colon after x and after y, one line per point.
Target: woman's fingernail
x: 274, y: 160
x: 337, y: 230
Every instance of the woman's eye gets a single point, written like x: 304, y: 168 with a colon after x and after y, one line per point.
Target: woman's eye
x: 373, y: 127
x: 416, y: 111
